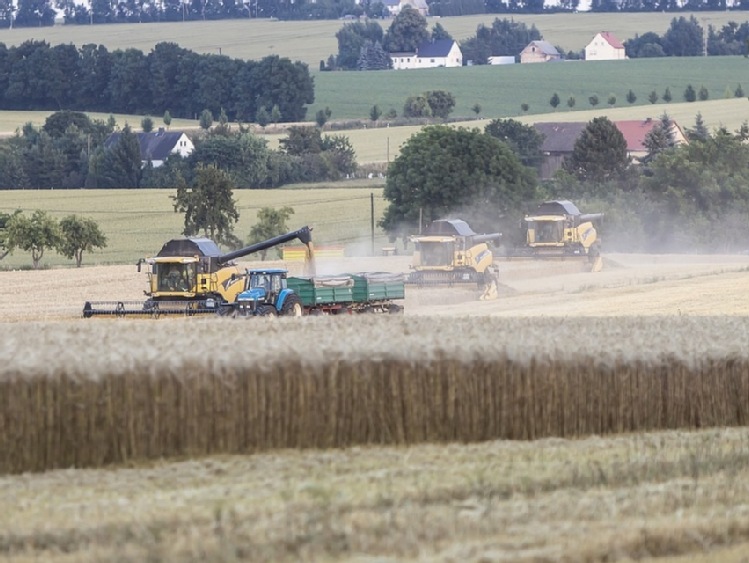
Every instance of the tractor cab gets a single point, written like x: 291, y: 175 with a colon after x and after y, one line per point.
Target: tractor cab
x: 264, y: 285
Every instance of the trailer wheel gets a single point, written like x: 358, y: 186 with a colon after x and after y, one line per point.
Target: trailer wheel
x: 394, y: 309
x: 292, y: 307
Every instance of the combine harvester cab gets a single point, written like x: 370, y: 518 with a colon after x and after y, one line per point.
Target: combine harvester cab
x: 558, y: 231
x: 450, y: 253
x: 192, y: 277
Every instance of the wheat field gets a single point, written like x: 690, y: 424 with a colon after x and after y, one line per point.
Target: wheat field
x: 578, y: 417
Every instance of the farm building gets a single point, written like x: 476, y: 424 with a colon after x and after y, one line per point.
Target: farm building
x: 559, y: 142
x: 560, y: 138
x: 501, y: 60
x: 605, y: 47
x: 430, y: 54
x: 539, y: 52
x: 157, y: 145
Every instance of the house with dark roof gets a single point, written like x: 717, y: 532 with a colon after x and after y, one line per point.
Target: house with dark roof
x: 430, y: 54
x: 560, y: 138
x: 156, y: 146
x: 605, y: 47
x: 558, y: 144
x: 539, y: 52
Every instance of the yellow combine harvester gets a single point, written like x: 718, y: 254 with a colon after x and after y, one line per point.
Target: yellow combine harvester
x: 557, y: 230
x: 450, y: 253
x: 191, y: 277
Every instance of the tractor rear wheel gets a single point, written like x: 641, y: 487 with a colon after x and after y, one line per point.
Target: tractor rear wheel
x: 292, y: 307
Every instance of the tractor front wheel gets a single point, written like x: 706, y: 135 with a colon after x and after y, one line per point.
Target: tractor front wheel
x: 292, y: 307
x: 266, y: 311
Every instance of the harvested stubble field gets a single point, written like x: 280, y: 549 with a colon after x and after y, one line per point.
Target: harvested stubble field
x: 653, y: 343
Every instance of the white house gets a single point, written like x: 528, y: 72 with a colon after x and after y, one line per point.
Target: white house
x: 430, y: 54
x: 157, y: 145
x: 605, y: 47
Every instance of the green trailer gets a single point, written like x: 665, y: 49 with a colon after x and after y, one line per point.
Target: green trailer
x: 323, y: 294
x: 372, y: 287
x: 370, y: 292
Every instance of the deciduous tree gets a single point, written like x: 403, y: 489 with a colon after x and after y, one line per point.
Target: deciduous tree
x: 271, y: 223
x: 5, y: 246
x: 442, y: 170
x: 34, y: 234
x: 441, y: 102
x: 407, y: 32
x: 524, y: 140
x: 208, y: 205
x: 352, y: 37
x: 79, y: 235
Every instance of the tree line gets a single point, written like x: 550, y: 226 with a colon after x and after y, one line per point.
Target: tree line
x: 37, y: 76
x: 36, y: 13
x: 69, y: 151
x: 366, y: 46
x: 679, y: 197
x: 685, y: 38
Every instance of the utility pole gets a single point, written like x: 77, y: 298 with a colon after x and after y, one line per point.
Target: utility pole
x: 371, y: 219
x: 704, y: 37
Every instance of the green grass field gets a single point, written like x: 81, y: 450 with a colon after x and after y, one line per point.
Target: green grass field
x: 312, y: 41
x: 11, y: 121
x: 138, y: 222
x: 500, y: 90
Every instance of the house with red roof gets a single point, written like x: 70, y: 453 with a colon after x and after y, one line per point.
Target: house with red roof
x: 560, y: 138
x: 605, y: 47
x: 635, y: 131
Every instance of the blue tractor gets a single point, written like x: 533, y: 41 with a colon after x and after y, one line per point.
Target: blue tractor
x: 266, y: 294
